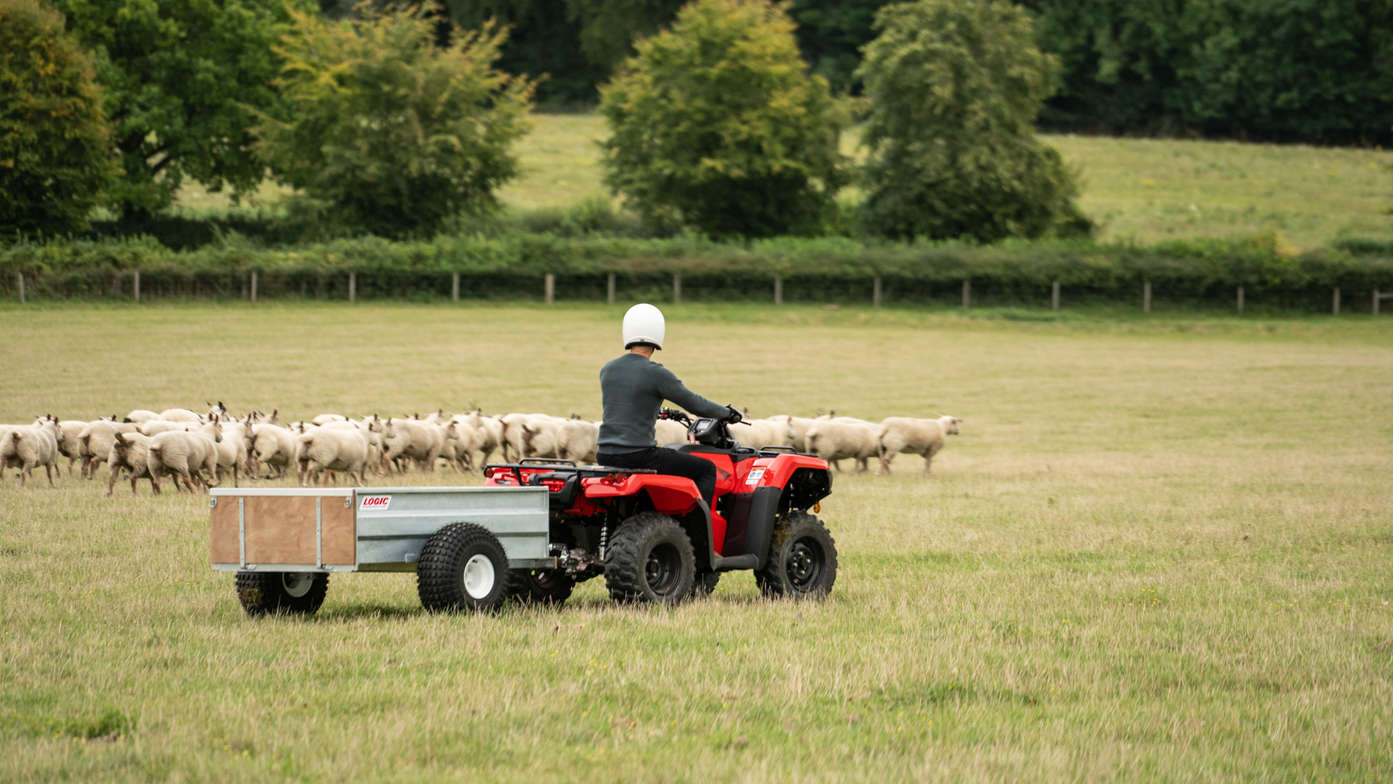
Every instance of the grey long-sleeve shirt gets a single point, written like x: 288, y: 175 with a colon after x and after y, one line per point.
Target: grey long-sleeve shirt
x: 633, y: 389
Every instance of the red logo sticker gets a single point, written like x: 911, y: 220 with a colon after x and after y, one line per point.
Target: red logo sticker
x: 377, y: 502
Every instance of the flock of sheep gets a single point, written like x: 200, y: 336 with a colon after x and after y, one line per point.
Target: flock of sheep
x: 193, y: 448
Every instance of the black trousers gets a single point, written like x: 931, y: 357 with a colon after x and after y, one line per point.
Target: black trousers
x: 668, y: 461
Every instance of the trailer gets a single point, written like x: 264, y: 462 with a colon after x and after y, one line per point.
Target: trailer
x: 284, y: 543
x: 538, y: 527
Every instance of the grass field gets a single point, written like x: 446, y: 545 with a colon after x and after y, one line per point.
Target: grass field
x: 1158, y: 551
x: 1143, y: 190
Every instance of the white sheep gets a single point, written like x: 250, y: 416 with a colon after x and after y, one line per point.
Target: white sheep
x: 485, y: 434
x: 514, y: 440
x: 95, y: 440
x: 669, y: 431
x: 371, y: 429
x: 915, y: 436
x: 578, y: 440
x: 541, y: 436
x: 759, y: 433
x: 68, y: 435
x: 141, y: 416
x: 185, y: 455
x: 273, y: 445
x: 180, y: 415
x: 458, y: 447
x: 796, y: 429
x: 410, y: 439
x: 130, y: 452
x: 27, y: 446
x: 324, y: 419
x: 332, y: 449
x: 843, y: 437
x: 232, y: 448
x: 154, y: 427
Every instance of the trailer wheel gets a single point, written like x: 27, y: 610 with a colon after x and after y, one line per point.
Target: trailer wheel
x: 289, y: 593
x: 802, y: 559
x: 650, y: 559
x: 462, y: 567
x: 542, y: 586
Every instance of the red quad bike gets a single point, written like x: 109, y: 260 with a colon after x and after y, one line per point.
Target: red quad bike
x: 653, y: 537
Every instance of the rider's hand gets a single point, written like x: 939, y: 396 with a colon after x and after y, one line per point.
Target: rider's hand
x: 733, y: 416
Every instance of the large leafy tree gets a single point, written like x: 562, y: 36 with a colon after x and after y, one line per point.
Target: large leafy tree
x: 717, y: 123
x: 55, y: 146
x: 181, y: 79
x: 954, y: 87
x: 386, y: 131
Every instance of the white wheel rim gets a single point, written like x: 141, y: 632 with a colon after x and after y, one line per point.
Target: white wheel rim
x: 297, y: 585
x: 478, y: 576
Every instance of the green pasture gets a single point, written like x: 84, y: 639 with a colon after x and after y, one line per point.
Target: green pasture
x: 1159, y: 550
x: 1142, y: 190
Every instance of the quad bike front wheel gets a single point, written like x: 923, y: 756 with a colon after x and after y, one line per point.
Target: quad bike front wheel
x: 462, y: 567
x: 281, y: 593
x: 650, y: 559
x: 802, y: 560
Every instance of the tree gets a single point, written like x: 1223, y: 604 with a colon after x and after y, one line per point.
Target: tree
x: 56, y: 158
x: 954, y: 87
x: 181, y: 78
x: 387, y: 132
x: 716, y: 122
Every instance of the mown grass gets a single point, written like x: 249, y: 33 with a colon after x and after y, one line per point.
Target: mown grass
x: 1140, y: 190
x: 1159, y: 550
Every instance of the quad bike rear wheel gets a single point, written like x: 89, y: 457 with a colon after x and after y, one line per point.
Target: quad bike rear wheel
x: 277, y: 593
x: 802, y: 559
x: 650, y: 559
x: 462, y: 567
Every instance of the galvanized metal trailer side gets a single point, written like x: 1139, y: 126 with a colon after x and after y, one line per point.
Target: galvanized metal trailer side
x: 368, y: 529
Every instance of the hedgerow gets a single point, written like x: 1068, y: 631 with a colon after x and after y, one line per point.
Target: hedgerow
x: 833, y: 269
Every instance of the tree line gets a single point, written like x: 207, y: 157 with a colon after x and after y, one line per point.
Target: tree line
x: 1317, y: 71
x: 725, y: 115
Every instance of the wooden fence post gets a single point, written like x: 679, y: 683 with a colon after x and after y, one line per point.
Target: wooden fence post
x: 676, y: 287
x: 255, y: 280
x: 20, y: 276
x: 609, y: 288
x: 352, y: 287
x: 778, y: 289
x: 1335, y: 302
x: 136, y: 286
x: 875, y: 292
x: 967, y: 294
x: 1146, y: 297
x: 1376, y: 299
x: 1054, y: 296
x: 1240, y: 300
x: 454, y: 287
x: 549, y: 288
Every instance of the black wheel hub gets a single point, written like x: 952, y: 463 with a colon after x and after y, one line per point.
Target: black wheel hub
x: 661, y: 568
x: 804, y: 564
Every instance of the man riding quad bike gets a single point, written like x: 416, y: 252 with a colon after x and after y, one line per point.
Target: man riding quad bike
x: 662, y: 523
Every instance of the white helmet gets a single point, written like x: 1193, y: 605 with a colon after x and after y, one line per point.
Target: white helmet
x: 644, y: 324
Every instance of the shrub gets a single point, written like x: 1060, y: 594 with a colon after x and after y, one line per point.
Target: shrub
x: 55, y: 146
x: 954, y: 89
x: 716, y: 122
x: 389, y: 133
